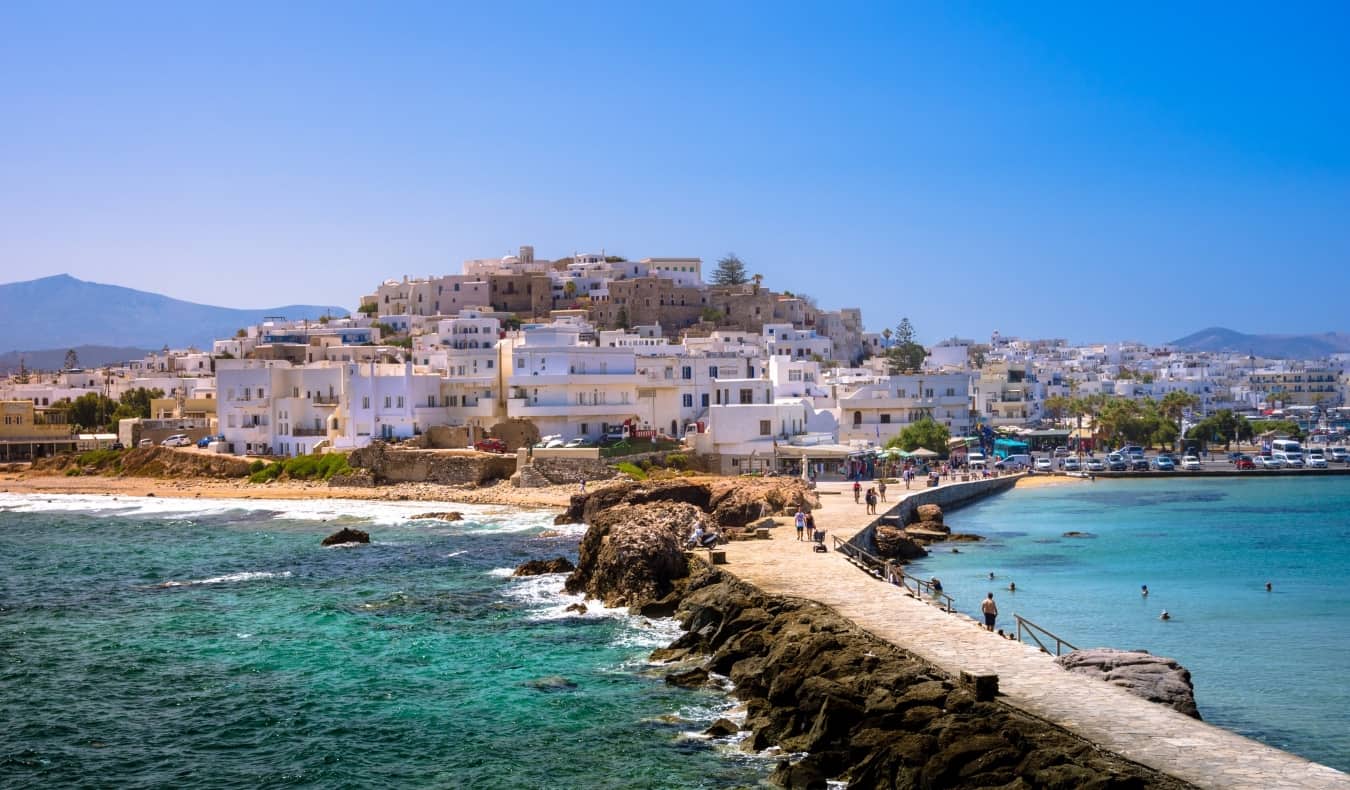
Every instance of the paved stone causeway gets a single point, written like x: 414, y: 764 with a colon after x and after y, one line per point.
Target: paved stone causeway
x: 1029, y: 680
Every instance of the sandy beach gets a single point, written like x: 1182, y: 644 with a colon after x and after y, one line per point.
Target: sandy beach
x: 550, y: 497
x: 1043, y: 480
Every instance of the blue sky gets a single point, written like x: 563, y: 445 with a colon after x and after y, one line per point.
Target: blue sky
x: 1042, y: 170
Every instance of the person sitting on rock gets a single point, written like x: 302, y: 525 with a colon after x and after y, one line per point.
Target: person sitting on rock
x: 696, y: 539
x: 711, y: 538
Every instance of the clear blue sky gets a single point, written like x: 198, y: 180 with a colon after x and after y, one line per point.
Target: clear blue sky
x: 1044, y: 171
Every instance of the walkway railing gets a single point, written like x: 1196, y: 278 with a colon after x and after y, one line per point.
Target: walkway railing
x: 881, y: 569
x: 1025, y: 626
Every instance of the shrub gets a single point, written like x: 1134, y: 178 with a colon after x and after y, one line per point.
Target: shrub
x: 677, y: 461
x: 99, y: 458
x: 631, y: 470
x: 256, y: 466
x: 73, y: 472
x: 266, y: 474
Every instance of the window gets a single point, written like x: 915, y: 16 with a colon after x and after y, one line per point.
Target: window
x: 857, y: 419
x: 688, y: 401
x: 686, y: 372
x: 585, y: 428
x: 951, y: 391
x: 764, y: 428
x: 928, y: 393
x: 387, y: 401
x: 260, y: 393
x: 365, y: 402
x: 400, y: 401
x: 885, y: 419
x: 489, y: 364
x: 704, y: 400
x: 747, y: 396
x: 431, y: 400
x: 712, y: 372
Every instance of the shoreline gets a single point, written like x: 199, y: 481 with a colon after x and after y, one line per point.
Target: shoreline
x: 502, y: 493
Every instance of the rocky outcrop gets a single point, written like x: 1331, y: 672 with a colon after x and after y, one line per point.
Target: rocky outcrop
x: 634, y: 555
x: 866, y: 712
x: 448, y: 515
x: 346, y: 535
x: 147, y: 462
x: 541, y: 567
x: 732, y: 502
x: 894, y: 544
x: 1155, y: 678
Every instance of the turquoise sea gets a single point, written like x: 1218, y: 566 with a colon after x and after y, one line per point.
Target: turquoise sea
x: 1270, y: 665
x: 177, y: 643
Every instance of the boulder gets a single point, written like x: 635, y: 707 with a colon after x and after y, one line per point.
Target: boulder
x: 347, y: 535
x: 1155, y: 678
x: 930, y: 526
x: 540, y: 567
x: 928, y: 513
x: 894, y: 544
x: 722, y: 728
x: 688, y: 678
x: 734, y: 502
x: 579, y: 608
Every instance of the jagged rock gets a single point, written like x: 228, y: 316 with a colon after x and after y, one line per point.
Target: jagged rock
x: 963, y: 537
x: 346, y: 535
x: 732, y: 502
x: 633, y: 555
x: 688, y: 678
x: 579, y: 608
x: 932, y: 513
x: 540, y: 567
x: 449, y: 515
x: 893, y: 543
x: 552, y: 683
x: 1155, y: 678
x: 722, y: 728
x: 930, y: 526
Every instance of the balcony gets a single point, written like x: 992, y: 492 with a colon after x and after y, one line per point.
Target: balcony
x: 326, y: 400
x: 308, y: 432
x: 524, y: 407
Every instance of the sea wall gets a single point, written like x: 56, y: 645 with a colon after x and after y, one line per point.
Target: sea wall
x: 864, y: 711
x: 388, y: 464
x: 947, y: 497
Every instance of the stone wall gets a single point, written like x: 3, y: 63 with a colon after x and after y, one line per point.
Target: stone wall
x: 947, y: 497
x: 562, y: 471
x: 447, y: 467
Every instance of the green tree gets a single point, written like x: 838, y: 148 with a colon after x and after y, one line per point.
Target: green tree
x: 1056, y: 407
x: 1176, y: 403
x: 89, y: 412
x: 904, y: 355
x: 368, y: 309
x: 711, y: 314
x: 922, y: 433
x: 730, y: 271
x: 570, y: 289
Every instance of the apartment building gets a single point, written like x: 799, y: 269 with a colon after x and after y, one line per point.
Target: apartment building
x: 879, y: 410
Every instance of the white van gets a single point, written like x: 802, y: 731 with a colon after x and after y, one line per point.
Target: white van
x: 1289, y: 451
x: 1022, y: 460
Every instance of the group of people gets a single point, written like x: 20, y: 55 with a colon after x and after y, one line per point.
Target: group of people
x: 871, y: 497
x: 806, y: 527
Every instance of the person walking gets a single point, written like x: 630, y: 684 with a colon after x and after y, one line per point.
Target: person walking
x: 871, y: 498
x: 990, y: 610
x: 881, y: 489
x: 801, y: 523
x: 857, y: 491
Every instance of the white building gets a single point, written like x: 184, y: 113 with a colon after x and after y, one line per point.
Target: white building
x: 877, y: 411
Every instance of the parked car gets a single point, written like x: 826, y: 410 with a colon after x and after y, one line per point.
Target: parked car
x: 1117, y: 463
x: 1163, y: 463
x: 177, y: 440
x: 490, y: 445
x: 1190, y: 463
x: 1061, y: 452
x: 1233, y: 457
x: 1094, y: 465
x: 1316, y: 462
x: 1268, y: 462
x: 1072, y: 464
x: 146, y: 443
x: 1340, y: 455
x: 117, y: 446
x: 580, y: 441
x: 205, y: 441
x: 1138, y: 464
x: 1244, y: 462
x: 1043, y: 465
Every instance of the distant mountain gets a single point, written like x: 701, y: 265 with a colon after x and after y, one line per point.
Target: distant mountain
x: 55, y: 358
x: 62, y: 311
x: 1271, y: 346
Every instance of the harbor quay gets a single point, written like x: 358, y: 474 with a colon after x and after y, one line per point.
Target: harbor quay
x: 1028, y: 680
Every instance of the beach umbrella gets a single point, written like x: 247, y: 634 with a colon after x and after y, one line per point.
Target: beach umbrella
x: 924, y: 452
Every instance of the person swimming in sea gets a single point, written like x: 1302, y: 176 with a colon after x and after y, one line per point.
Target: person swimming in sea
x: 1143, y: 590
x: 1268, y: 587
x: 1012, y: 586
x: 1164, y: 615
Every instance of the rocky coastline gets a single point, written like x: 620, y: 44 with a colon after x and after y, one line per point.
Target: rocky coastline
x: 841, y: 703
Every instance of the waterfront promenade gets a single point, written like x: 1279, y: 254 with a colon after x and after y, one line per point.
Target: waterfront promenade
x: 1142, y: 731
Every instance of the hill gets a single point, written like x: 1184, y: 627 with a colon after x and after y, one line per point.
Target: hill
x: 55, y: 358
x: 62, y: 311
x: 1270, y: 346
